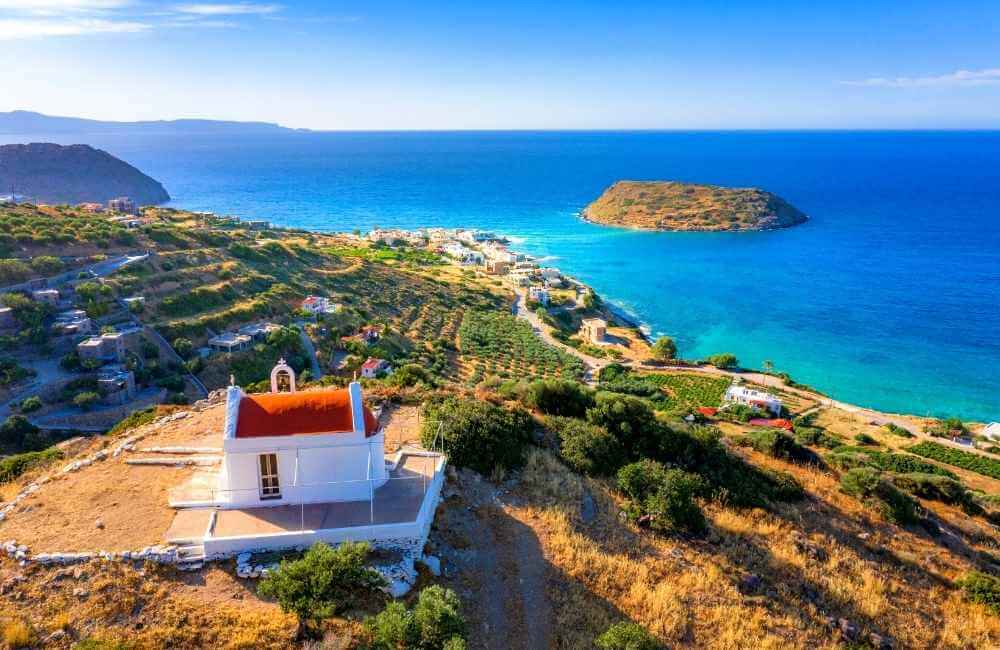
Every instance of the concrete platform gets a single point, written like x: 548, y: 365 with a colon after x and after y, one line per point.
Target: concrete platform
x: 188, y: 526
x: 402, y: 507
x: 397, y: 501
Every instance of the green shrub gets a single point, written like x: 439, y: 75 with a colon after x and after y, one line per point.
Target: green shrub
x: 12, y: 467
x: 981, y: 588
x: 964, y: 459
x: 867, y: 485
x: 630, y: 420
x: 411, y: 375
x: 86, y: 400
x: 435, y: 622
x: 134, y: 420
x: 559, y: 397
x: 323, y: 582
x: 724, y: 360
x: 865, y: 439
x: 848, y: 457
x: 14, y: 430
x: 816, y: 437
x: 897, y: 430
x: 30, y: 404
x: 627, y: 636
x: 639, y: 480
x: 937, y: 488
x: 777, y: 444
x: 672, y: 507
x: 587, y: 448
x: 478, y: 434
x: 663, y: 497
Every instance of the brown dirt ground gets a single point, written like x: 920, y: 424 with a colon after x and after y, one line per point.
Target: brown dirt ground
x: 130, y: 500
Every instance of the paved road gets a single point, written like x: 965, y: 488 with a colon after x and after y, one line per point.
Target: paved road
x: 593, y: 364
x: 100, y: 269
x: 317, y: 371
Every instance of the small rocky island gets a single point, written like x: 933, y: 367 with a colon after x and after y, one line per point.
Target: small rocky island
x: 79, y: 173
x: 676, y: 206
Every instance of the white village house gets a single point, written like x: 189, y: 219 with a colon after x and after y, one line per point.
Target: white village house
x: 371, y: 368
x: 739, y: 394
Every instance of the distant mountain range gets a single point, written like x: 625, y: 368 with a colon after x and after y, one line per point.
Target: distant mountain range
x: 31, y: 123
x: 79, y: 173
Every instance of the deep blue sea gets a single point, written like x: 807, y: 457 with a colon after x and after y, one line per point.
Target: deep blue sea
x: 889, y: 296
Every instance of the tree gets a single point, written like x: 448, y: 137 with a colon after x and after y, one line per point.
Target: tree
x: 630, y: 419
x: 672, y: 506
x: 31, y: 404
x: 664, y: 349
x: 86, y: 400
x: 14, y: 430
x: 323, y: 582
x: 477, y: 434
x: 725, y: 360
x: 183, y: 347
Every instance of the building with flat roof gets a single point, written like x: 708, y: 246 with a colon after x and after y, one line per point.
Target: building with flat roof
x: 48, y: 296
x: 229, y: 342
x: 116, y: 385
x: 123, y: 204
x: 539, y: 295
x: 259, y: 331
x: 593, y: 330
x: 320, y: 305
x: 764, y: 401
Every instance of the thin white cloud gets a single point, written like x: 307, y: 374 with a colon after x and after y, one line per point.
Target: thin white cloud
x: 60, y: 7
x: 985, y: 77
x: 227, y: 9
x: 15, y: 29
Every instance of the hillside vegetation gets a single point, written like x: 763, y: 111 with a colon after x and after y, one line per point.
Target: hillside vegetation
x: 671, y: 205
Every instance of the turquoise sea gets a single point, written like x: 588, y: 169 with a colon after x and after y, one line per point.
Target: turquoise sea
x: 889, y: 296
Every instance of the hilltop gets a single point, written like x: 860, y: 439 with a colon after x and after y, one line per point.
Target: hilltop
x: 676, y: 206
x: 52, y: 173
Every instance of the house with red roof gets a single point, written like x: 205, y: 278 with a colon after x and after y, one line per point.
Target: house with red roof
x: 299, y: 447
x: 371, y: 368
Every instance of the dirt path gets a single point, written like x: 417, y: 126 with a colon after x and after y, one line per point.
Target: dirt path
x: 500, y: 567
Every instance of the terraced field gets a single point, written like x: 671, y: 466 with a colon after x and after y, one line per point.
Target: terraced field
x: 498, y: 344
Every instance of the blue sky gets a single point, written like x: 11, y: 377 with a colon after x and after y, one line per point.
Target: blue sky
x: 509, y: 65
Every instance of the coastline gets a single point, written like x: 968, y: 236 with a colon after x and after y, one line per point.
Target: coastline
x: 644, y: 330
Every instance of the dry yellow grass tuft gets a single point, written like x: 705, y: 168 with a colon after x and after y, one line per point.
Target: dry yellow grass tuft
x: 17, y: 634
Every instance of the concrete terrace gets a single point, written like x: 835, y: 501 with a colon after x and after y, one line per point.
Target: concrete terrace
x: 399, y: 501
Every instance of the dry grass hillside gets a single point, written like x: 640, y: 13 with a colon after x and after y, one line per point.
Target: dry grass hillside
x: 671, y: 205
x: 543, y: 559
